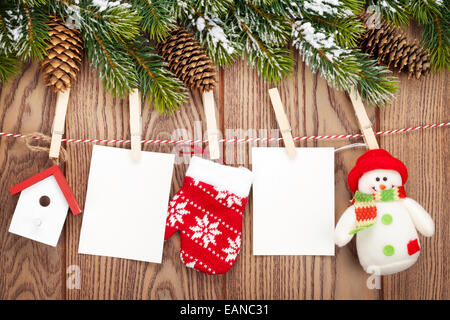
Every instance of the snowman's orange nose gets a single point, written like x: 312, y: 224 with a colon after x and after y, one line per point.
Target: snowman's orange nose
x: 382, y: 186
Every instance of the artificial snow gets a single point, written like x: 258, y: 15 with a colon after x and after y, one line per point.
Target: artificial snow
x: 386, y: 5
x: 105, y: 4
x: 214, y: 32
x: 218, y: 35
x: 322, y: 6
x: 14, y: 22
x: 200, y: 24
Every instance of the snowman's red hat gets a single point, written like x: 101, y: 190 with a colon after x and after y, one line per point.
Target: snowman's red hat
x: 372, y: 160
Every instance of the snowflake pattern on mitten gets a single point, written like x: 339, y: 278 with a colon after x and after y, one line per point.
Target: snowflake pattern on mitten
x: 177, y: 211
x: 205, y: 230
x: 228, y: 198
x: 233, y: 250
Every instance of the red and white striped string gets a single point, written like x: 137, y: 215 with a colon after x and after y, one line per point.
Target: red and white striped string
x: 155, y: 141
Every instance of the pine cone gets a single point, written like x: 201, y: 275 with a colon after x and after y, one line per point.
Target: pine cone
x: 64, y: 56
x: 188, y: 60
x: 391, y: 47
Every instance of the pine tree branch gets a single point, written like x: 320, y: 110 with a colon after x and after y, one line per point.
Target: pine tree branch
x: 9, y: 66
x: 112, y: 63
x: 261, y: 24
x: 104, y: 27
x: 157, y: 17
x: 117, y: 22
x: 343, y: 68
x: 377, y: 86
x: 355, y: 6
x: 155, y: 81
x: 5, y: 42
x: 337, y: 65
x: 397, y: 11
x: 346, y: 30
x: 212, y: 7
x: 219, y: 38
x: 263, y: 41
x: 33, y: 2
x: 325, y: 34
x: 272, y: 63
x: 435, y: 38
x: 33, y: 42
x: 425, y: 11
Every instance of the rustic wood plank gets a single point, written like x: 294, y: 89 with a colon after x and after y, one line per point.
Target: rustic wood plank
x: 32, y: 270
x: 312, y: 108
x: 29, y: 270
x: 426, y: 156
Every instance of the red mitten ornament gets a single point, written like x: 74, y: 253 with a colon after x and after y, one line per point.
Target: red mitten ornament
x: 207, y: 211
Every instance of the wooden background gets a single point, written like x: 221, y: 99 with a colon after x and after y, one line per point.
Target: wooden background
x: 30, y: 270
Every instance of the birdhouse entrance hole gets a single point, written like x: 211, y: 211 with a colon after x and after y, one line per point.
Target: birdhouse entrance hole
x: 44, y: 201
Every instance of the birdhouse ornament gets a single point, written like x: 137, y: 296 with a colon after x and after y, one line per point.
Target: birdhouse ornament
x: 383, y: 218
x: 42, y: 206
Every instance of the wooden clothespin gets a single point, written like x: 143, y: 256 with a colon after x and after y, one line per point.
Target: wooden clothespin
x: 211, y: 124
x: 283, y: 122
x: 62, y: 100
x: 135, y: 124
x: 363, y: 119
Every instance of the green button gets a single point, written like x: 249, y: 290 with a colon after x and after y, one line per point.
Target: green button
x: 388, y: 250
x: 386, y: 219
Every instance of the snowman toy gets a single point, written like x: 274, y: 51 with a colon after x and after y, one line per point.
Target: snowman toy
x: 382, y: 217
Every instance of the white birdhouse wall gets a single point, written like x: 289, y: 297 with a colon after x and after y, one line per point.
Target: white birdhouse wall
x: 40, y: 212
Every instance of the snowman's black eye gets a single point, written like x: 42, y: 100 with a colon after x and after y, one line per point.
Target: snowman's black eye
x: 378, y: 179
x: 384, y: 178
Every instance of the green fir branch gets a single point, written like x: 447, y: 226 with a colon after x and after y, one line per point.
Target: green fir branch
x: 325, y: 33
x: 338, y: 66
x: 157, y: 17
x: 377, y: 86
x: 273, y: 64
x: 113, y: 65
x: 338, y: 20
x: 104, y: 30
x: 343, y: 68
x: 6, y: 46
x: 355, y: 6
x: 219, y: 37
x: 220, y: 41
x: 155, y: 81
x: 9, y: 66
x: 347, y: 31
x: 396, y: 11
x: 118, y: 22
x: 213, y: 7
x: 32, y: 43
x: 425, y: 11
x: 435, y: 38
x: 33, y: 2
x: 264, y: 43
x: 257, y: 22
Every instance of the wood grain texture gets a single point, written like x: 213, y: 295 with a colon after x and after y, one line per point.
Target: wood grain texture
x: 426, y: 156
x: 29, y: 270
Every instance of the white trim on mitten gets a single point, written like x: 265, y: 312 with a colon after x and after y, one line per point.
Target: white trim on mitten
x: 235, y: 180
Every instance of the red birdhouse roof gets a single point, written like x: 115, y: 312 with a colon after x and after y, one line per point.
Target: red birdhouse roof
x: 60, y: 179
